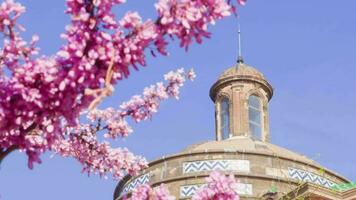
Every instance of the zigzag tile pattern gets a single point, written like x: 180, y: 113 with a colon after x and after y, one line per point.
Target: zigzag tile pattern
x: 211, y: 165
x: 136, y: 182
x: 306, y: 176
x: 187, y: 191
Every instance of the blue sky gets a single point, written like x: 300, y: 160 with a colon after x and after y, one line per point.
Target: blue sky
x: 306, y: 49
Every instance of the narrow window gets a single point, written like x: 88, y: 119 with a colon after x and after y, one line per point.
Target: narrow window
x: 224, y: 118
x: 255, y: 116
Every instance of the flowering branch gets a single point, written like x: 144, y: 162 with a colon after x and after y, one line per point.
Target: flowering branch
x: 82, y: 142
x: 44, y: 96
x: 140, y: 107
x: 100, y: 94
x: 51, y: 92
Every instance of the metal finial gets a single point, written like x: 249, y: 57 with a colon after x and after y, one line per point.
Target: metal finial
x: 239, y: 58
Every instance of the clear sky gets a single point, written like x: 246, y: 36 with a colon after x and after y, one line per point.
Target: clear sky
x: 306, y: 49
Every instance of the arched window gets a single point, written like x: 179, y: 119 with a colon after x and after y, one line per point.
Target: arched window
x: 224, y: 118
x: 255, y: 116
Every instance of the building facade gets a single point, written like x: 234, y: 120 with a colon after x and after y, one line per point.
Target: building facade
x: 242, y: 147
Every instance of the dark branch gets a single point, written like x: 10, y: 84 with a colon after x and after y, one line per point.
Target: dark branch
x: 6, y: 152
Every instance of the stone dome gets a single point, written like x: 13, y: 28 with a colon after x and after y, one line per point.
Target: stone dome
x: 240, y: 72
x: 241, y: 69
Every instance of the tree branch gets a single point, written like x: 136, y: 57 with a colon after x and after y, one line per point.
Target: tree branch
x: 6, y: 152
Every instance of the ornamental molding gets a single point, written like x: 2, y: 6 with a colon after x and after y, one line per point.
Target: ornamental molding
x: 189, y: 190
x: 306, y: 176
x: 213, y: 165
x: 240, y: 78
x: 141, y: 180
x: 223, y: 95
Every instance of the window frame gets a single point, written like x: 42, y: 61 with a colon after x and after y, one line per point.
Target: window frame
x: 226, y: 112
x: 251, y: 107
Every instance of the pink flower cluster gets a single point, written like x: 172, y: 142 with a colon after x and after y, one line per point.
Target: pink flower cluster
x: 98, y: 158
x: 42, y: 96
x: 10, y: 12
x: 145, y: 192
x: 189, y: 20
x: 219, y: 187
x: 242, y: 2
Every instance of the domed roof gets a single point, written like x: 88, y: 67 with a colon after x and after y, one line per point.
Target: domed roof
x: 248, y: 145
x: 241, y: 72
x: 241, y: 69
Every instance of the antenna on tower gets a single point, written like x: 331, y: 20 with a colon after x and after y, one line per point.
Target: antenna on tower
x: 239, y: 58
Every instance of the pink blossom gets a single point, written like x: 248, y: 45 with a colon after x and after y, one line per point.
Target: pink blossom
x: 145, y: 192
x: 219, y: 187
x: 131, y: 20
x: 242, y: 2
x: 99, y: 158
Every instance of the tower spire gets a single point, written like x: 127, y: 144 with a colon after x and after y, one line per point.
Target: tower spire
x: 239, y: 58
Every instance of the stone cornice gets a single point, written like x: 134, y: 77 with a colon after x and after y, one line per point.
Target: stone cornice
x: 240, y: 78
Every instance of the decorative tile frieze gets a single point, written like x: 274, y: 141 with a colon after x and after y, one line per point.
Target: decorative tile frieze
x: 187, y: 191
x: 212, y: 165
x: 136, y: 182
x: 306, y: 176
